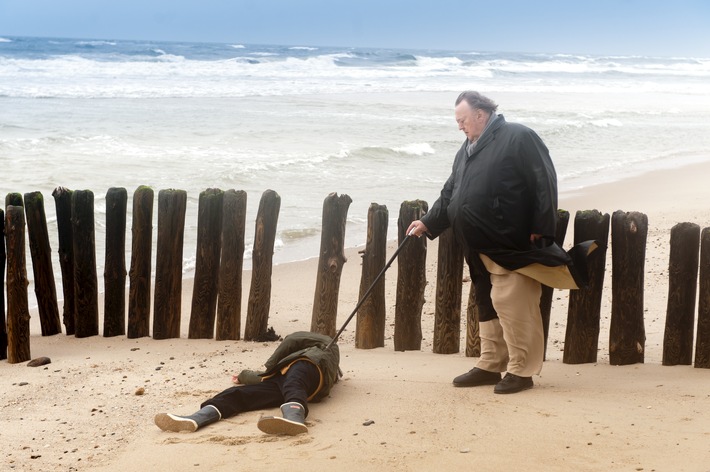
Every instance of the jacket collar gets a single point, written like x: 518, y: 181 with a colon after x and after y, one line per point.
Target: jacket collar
x: 489, y: 132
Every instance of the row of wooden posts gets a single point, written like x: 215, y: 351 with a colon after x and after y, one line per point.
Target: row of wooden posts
x: 217, y: 294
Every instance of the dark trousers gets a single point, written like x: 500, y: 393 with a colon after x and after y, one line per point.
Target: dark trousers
x: 300, y: 381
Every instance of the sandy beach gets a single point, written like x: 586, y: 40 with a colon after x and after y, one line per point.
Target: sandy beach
x: 92, y: 408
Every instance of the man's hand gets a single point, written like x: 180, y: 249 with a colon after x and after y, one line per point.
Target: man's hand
x: 416, y: 228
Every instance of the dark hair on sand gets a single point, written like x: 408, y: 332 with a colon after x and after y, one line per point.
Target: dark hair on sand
x: 477, y: 101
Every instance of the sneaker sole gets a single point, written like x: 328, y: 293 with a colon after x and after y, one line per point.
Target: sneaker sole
x: 174, y: 424
x: 282, y: 426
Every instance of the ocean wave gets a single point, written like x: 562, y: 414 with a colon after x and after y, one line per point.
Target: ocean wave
x: 291, y: 234
x: 5, y: 40
x: 607, y: 122
x: 95, y: 43
x: 415, y: 149
x: 109, y: 69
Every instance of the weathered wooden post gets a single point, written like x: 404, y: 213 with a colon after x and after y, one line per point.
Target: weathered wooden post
x: 547, y: 292
x: 330, y: 264
x: 18, y: 313
x: 682, y: 288
x: 371, y: 316
x: 584, y: 310
x: 229, y: 302
x: 115, y: 263
x: 3, y: 326
x: 209, y: 247
x: 702, y: 340
x: 449, y: 280
x: 14, y: 199
x: 172, y: 205
x: 62, y: 200
x: 140, y: 271
x: 411, y: 280
x: 41, y: 254
x: 627, y: 335
x: 86, y: 294
x: 262, y: 256
x: 473, y: 330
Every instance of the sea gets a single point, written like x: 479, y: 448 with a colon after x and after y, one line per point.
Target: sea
x: 306, y: 121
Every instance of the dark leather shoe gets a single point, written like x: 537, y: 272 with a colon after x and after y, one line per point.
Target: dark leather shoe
x: 476, y: 377
x: 512, y: 383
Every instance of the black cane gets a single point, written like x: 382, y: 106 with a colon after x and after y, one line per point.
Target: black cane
x: 367, y: 293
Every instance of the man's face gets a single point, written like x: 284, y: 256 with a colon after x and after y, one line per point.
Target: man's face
x: 471, y: 121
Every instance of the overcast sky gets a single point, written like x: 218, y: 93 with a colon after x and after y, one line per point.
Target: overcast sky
x: 644, y: 27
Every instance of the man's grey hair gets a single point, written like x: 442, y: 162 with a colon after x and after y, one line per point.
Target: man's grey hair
x: 477, y: 101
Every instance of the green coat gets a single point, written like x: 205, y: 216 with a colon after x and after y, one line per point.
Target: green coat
x: 299, y: 345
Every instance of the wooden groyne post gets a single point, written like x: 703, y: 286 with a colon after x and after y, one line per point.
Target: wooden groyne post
x: 14, y: 199
x: 371, y: 316
x: 140, y: 272
x: 229, y: 301
x: 209, y: 247
x: 682, y: 288
x: 584, y: 310
x: 330, y: 264
x: 115, y: 263
x: 262, y: 256
x: 473, y: 329
x: 41, y: 254
x: 3, y: 326
x: 627, y: 335
x: 449, y: 280
x: 702, y: 340
x: 62, y: 201
x: 172, y: 205
x: 547, y: 292
x: 411, y: 280
x: 86, y: 294
x: 18, y: 313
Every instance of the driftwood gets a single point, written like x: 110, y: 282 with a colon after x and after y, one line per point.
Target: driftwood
x: 62, y: 201
x: 140, y: 272
x: 330, y: 264
x: 86, y: 294
x: 18, y: 313
x: 682, y: 285
x: 209, y: 247
x: 547, y: 292
x: 229, y: 302
x: 41, y: 253
x: 627, y: 335
x: 449, y: 279
x: 262, y: 256
x: 584, y: 311
x: 115, y: 264
x: 411, y: 280
x: 172, y: 205
x: 702, y: 341
x: 371, y: 316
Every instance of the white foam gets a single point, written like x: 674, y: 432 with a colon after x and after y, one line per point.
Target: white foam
x: 416, y: 149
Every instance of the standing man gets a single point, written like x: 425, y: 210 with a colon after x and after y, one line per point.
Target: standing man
x: 501, y: 202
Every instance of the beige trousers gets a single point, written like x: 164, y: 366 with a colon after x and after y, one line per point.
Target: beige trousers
x: 514, y: 342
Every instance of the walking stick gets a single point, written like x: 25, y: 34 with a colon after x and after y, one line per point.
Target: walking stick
x: 367, y: 293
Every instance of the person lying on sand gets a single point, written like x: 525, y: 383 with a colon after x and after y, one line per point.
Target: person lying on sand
x: 300, y: 370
